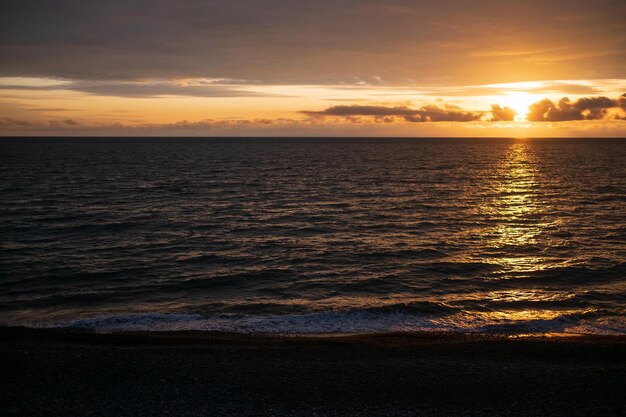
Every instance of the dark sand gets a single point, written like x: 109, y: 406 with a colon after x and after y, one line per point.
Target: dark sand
x: 63, y: 373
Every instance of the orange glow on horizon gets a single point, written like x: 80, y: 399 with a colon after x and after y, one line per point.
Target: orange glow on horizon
x: 157, y: 106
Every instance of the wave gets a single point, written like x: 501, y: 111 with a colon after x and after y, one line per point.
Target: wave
x: 372, y: 320
x: 575, y: 275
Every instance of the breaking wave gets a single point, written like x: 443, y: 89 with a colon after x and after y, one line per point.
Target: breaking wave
x: 362, y: 321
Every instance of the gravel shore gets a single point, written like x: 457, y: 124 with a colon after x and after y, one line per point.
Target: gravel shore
x: 66, y: 373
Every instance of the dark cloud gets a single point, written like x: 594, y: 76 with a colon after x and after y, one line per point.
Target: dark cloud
x: 143, y: 89
x: 160, y: 89
x: 357, y: 110
x: 587, y: 108
x: 428, y: 113
x: 66, y: 122
x: 500, y: 114
x: 10, y: 122
x: 323, y: 42
x: 70, y: 125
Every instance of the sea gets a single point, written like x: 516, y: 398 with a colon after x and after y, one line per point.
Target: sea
x: 314, y: 235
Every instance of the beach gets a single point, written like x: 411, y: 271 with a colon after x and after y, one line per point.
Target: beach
x: 76, y: 373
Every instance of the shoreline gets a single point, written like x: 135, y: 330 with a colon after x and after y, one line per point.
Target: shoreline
x: 22, y: 334
x: 76, y: 373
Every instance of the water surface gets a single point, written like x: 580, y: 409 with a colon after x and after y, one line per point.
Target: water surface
x: 314, y: 235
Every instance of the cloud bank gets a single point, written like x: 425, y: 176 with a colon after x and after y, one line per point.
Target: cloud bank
x: 301, y: 128
x: 428, y: 113
x: 587, y: 108
x: 145, y: 88
x: 395, y: 42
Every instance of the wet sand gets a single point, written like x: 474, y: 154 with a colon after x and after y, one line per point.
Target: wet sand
x: 70, y: 373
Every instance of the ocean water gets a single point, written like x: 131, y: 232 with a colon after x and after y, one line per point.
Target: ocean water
x: 298, y: 235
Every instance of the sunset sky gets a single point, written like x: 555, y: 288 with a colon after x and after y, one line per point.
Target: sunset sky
x: 319, y: 68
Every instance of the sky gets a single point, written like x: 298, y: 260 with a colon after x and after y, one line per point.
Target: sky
x: 321, y: 68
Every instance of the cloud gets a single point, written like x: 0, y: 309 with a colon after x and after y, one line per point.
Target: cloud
x: 567, y: 88
x: 545, y: 87
x: 145, y: 88
x: 66, y: 122
x: 11, y: 122
x: 157, y: 89
x: 324, y: 42
x: 49, y: 109
x: 313, y: 126
x: 499, y: 114
x: 586, y: 108
x: 428, y: 113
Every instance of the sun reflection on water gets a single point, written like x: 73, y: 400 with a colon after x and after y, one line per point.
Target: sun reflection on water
x: 518, y: 214
x: 517, y: 217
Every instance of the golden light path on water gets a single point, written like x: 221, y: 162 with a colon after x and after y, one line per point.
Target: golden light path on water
x: 516, y: 206
x: 517, y: 217
x: 520, y: 213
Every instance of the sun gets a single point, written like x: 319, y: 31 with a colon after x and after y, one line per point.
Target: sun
x: 520, y: 102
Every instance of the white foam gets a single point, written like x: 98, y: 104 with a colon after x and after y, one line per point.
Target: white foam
x: 348, y: 322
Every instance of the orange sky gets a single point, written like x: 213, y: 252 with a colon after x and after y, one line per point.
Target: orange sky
x: 366, y: 68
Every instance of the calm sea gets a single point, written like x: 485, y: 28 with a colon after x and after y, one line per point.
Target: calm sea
x: 314, y: 235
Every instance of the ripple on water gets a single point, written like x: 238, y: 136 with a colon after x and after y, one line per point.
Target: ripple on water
x: 298, y: 235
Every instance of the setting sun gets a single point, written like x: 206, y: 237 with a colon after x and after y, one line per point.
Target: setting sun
x: 520, y: 102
